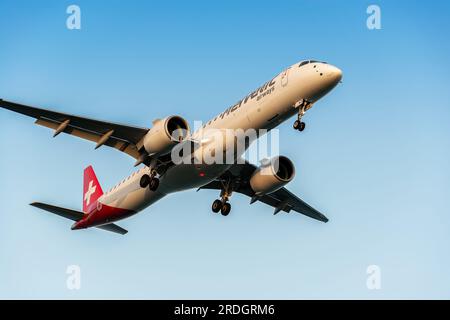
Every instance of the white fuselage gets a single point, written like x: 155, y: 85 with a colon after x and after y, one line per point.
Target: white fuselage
x: 265, y: 108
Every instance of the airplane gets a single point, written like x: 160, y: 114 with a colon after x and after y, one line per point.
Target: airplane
x: 292, y: 92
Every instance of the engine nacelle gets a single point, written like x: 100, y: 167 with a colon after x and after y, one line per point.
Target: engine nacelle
x: 272, y: 176
x: 165, y: 134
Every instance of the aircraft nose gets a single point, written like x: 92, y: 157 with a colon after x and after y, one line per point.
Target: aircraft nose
x: 326, y: 77
x: 334, y: 74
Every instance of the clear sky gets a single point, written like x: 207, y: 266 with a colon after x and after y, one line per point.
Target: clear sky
x: 373, y: 158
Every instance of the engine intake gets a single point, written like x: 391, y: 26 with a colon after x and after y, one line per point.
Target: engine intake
x: 272, y: 176
x: 165, y: 134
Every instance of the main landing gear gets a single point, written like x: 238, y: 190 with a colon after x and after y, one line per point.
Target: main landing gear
x: 302, y: 106
x: 222, y: 204
x: 150, y: 181
x: 223, y: 207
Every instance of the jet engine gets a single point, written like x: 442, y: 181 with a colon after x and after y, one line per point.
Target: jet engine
x: 272, y: 176
x: 164, y: 134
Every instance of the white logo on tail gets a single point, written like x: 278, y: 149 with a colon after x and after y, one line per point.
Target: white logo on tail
x: 89, y: 192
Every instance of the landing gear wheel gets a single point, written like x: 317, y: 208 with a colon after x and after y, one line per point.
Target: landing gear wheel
x: 154, y: 183
x: 145, y: 181
x: 226, y: 208
x: 216, y: 206
x: 299, y: 125
x: 302, y: 126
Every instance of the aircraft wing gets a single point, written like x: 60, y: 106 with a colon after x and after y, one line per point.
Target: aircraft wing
x: 281, y: 200
x: 121, y: 137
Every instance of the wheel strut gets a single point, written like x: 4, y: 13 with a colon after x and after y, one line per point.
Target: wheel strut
x: 222, y: 204
x: 302, y: 106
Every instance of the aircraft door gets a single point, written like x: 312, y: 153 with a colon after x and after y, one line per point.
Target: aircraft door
x: 284, y: 77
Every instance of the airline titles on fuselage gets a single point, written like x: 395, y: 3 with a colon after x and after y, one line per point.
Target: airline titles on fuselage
x: 259, y: 93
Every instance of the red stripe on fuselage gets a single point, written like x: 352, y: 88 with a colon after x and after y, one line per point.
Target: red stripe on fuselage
x: 102, y: 214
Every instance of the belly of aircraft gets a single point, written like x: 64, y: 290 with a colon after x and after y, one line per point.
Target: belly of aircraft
x: 187, y: 176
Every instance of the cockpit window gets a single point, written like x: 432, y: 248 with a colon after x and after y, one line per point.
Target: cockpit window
x: 310, y: 61
x: 303, y: 63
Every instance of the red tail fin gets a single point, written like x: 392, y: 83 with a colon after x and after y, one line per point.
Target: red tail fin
x: 91, y: 190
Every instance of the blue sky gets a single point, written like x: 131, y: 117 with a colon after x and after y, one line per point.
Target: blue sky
x: 374, y: 156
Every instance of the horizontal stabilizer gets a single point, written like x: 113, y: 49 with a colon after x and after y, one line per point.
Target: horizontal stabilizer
x: 63, y: 212
x: 113, y: 228
x: 75, y: 216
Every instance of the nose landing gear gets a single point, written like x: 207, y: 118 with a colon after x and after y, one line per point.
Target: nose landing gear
x: 302, y: 106
x: 299, y: 125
